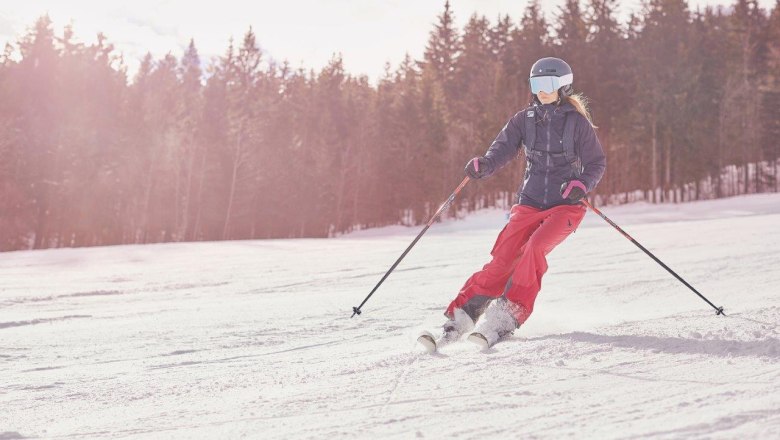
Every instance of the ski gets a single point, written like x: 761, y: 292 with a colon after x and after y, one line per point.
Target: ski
x: 428, y: 342
x: 483, y: 342
x: 480, y: 340
x: 431, y: 343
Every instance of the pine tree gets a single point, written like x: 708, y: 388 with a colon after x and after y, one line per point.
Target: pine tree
x: 38, y: 90
x: 243, y: 72
x: 18, y: 214
x: 191, y: 170
x: 710, y: 57
x: 441, y: 51
x: 92, y: 90
x: 604, y: 77
x: 667, y: 80
x: 438, y: 71
x: 209, y: 219
x: 530, y: 41
x: 747, y: 22
x: 571, y: 35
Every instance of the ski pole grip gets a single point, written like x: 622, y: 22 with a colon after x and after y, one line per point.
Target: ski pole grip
x: 476, y: 164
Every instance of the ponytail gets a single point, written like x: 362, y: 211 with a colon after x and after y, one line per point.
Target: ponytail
x: 580, y: 103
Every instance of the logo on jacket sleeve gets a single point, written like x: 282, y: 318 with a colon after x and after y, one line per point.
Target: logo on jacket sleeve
x: 530, y: 114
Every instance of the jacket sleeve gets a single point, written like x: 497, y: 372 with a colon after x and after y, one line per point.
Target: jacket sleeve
x: 507, y: 144
x: 591, y: 154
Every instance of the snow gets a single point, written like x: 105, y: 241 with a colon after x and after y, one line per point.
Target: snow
x: 254, y: 338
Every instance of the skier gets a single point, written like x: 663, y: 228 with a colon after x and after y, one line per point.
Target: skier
x: 565, y: 161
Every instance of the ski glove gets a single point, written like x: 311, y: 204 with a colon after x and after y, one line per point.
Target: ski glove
x: 573, y: 190
x: 479, y: 168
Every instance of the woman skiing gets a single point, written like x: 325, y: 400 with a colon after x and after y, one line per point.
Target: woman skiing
x: 564, y: 161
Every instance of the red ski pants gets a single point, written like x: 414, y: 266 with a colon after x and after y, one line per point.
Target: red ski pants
x: 520, y: 254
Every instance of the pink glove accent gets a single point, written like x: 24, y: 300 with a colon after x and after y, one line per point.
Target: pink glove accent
x: 476, y: 164
x: 573, y: 184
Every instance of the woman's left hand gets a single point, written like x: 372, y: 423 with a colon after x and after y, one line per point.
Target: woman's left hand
x: 573, y: 190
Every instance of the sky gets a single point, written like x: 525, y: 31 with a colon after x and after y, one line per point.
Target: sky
x: 307, y: 33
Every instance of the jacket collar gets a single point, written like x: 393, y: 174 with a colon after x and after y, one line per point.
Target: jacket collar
x: 549, y: 111
x: 563, y: 108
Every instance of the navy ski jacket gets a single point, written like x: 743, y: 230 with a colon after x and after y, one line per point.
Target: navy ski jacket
x: 544, y: 174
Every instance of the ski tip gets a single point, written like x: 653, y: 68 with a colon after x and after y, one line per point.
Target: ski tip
x: 480, y: 340
x: 427, y: 341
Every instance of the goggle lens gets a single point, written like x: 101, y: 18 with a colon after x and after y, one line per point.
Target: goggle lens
x: 547, y: 84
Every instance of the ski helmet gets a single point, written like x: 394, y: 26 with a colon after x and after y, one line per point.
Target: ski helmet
x: 550, y: 74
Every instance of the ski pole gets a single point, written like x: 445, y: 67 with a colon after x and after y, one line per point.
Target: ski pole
x: 718, y: 310
x: 444, y: 206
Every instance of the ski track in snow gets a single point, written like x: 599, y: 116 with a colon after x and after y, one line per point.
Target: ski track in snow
x: 254, y: 338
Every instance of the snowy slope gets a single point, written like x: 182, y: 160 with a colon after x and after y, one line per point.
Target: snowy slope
x: 254, y: 339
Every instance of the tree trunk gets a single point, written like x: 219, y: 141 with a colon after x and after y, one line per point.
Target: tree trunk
x: 233, y: 178
x: 144, y: 233
x: 668, y: 163
x: 185, y: 221
x: 40, y: 224
x: 653, y: 158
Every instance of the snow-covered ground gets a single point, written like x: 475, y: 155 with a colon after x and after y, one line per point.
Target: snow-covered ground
x: 254, y: 339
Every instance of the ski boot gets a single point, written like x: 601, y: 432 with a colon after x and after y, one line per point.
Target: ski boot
x: 498, y: 323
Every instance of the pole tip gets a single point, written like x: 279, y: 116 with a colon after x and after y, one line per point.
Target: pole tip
x: 355, y: 311
x: 720, y: 311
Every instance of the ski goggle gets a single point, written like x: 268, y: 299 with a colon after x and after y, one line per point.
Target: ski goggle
x: 549, y: 84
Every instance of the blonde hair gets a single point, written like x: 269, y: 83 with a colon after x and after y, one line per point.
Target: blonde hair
x: 580, y: 103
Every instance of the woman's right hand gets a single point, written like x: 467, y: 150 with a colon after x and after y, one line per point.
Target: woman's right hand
x: 479, y: 168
